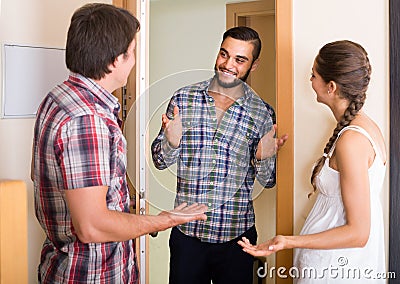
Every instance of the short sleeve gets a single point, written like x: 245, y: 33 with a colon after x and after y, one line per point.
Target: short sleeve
x: 83, y: 151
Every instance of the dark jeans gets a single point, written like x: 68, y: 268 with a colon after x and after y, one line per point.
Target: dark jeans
x: 196, y: 262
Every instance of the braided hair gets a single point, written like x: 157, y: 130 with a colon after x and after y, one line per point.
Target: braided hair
x: 347, y: 64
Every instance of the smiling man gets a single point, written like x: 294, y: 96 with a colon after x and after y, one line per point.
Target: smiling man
x: 221, y: 136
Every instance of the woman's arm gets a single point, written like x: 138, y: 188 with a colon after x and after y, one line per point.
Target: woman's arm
x: 353, y: 156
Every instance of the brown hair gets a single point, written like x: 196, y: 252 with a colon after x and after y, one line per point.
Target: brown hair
x: 97, y: 35
x: 245, y: 34
x: 347, y: 64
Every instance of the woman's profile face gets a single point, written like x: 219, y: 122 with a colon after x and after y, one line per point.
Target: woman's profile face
x: 319, y: 86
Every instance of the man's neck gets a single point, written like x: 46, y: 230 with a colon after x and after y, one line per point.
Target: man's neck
x: 107, y: 84
x: 233, y: 93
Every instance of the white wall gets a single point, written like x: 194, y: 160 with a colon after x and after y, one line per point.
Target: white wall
x: 37, y: 23
x: 315, y: 23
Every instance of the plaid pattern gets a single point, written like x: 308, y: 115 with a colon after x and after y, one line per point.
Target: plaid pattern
x: 216, y: 164
x: 78, y: 143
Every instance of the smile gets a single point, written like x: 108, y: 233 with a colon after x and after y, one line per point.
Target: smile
x: 228, y: 73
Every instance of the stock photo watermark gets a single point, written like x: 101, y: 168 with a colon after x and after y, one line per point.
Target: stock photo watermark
x: 341, y: 271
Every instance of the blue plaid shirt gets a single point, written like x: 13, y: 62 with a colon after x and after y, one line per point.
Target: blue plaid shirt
x: 216, y: 164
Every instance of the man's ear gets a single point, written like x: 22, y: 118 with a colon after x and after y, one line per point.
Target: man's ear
x: 117, y: 61
x: 255, y: 64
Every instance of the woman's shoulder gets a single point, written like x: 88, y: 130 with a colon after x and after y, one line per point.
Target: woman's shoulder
x: 361, y: 130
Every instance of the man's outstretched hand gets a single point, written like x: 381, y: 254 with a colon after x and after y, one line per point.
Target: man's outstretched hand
x: 185, y: 213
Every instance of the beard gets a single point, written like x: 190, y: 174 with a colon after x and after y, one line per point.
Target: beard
x: 231, y: 84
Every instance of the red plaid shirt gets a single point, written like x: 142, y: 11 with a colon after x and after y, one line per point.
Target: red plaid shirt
x: 78, y: 143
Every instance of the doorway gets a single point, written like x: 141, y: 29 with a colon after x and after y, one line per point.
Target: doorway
x: 155, y: 264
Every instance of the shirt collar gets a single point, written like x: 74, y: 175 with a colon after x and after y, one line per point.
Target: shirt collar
x: 248, y: 91
x: 98, y: 91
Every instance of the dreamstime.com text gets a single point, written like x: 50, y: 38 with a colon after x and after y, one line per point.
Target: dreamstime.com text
x: 332, y: 272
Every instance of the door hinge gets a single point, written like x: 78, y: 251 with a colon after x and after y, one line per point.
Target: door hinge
x: 124, y: 103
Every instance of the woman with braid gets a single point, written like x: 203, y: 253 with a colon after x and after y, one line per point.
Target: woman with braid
x: 342, y: 239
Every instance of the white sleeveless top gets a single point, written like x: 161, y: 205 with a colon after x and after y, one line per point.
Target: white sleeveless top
x: 361, y: 265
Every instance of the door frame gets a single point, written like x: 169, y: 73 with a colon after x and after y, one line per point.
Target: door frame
x: 394, y: 184
x: 284, y: 110
x: 136, y: 104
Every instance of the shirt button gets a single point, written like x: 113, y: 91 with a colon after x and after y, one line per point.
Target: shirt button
x: 214, y: 161
x: 209, y: 204
x: 211, y: 183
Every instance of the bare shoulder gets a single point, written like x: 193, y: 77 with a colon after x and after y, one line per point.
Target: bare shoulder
x: 371, y: 127
x: 353, y: 141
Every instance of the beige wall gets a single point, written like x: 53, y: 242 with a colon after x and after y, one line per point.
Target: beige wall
x: 36, y: 23
x: 317, y: 22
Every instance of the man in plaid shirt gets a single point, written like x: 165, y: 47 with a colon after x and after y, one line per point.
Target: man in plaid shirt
x: 79, y: 159
x: 221, y: 135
